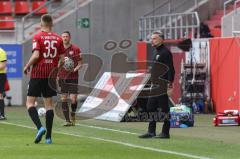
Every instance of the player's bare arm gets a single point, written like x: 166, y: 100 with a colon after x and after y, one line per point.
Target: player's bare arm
x: 61, y: 60
x: 33, y: 59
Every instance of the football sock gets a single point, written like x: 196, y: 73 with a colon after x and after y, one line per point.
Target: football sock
x: 49, y: 123
x: 2, y: 105
x: 74, y: 107
x: 65, y: 110
x: 32, y: 111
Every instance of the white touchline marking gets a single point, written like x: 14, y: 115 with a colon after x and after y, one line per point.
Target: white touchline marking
x: 108, y: 129
x: 116, y: 142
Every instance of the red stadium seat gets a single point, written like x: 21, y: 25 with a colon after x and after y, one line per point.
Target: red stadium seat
x: 21, y: 7
x: 6, y: 25
x: 5, y: 7
x: 37, y: 4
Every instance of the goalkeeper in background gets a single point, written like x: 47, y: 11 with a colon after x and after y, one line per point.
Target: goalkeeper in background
x: 68, y: 79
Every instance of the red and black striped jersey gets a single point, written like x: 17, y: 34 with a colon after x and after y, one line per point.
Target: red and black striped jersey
x: 74, y: 53
x: 50, y: 47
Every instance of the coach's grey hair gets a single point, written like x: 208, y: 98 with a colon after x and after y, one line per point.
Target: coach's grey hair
x: 159, y: 33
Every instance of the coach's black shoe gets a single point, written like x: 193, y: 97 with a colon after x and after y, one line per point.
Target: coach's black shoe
x: 147, y: 135
x: 163, y: 136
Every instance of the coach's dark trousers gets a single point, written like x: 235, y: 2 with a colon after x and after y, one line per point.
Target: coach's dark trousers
x: 154, y: 105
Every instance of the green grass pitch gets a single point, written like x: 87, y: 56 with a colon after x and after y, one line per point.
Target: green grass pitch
x: 96, y: 139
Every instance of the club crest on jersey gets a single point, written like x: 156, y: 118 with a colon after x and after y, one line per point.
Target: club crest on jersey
x: 70, y: 52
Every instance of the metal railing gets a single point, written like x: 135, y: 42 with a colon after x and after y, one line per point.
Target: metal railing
x: 226, y: 4
x: 26, y: 25
x: 235, y: 17
x: 173, y: 26
x: 28, y: 21
x: 235, y: 6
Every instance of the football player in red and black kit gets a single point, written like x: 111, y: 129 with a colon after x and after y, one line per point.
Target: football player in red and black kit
x: 69, y: 79
x: 46, y: 51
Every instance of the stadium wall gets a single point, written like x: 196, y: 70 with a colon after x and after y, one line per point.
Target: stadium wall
x: 27, y: 52
x: 109, y: 20
x: 113, y: 20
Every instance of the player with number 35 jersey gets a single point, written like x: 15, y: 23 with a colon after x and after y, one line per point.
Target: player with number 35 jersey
x: 50, y: 46
x: 46, y: 51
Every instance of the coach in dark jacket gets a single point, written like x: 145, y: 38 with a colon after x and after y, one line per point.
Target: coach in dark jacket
x: 162, y: 76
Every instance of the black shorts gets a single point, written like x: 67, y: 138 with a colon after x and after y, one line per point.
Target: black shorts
x: 69, y: 86
x: 3, y: 78
x: 40, y: 87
